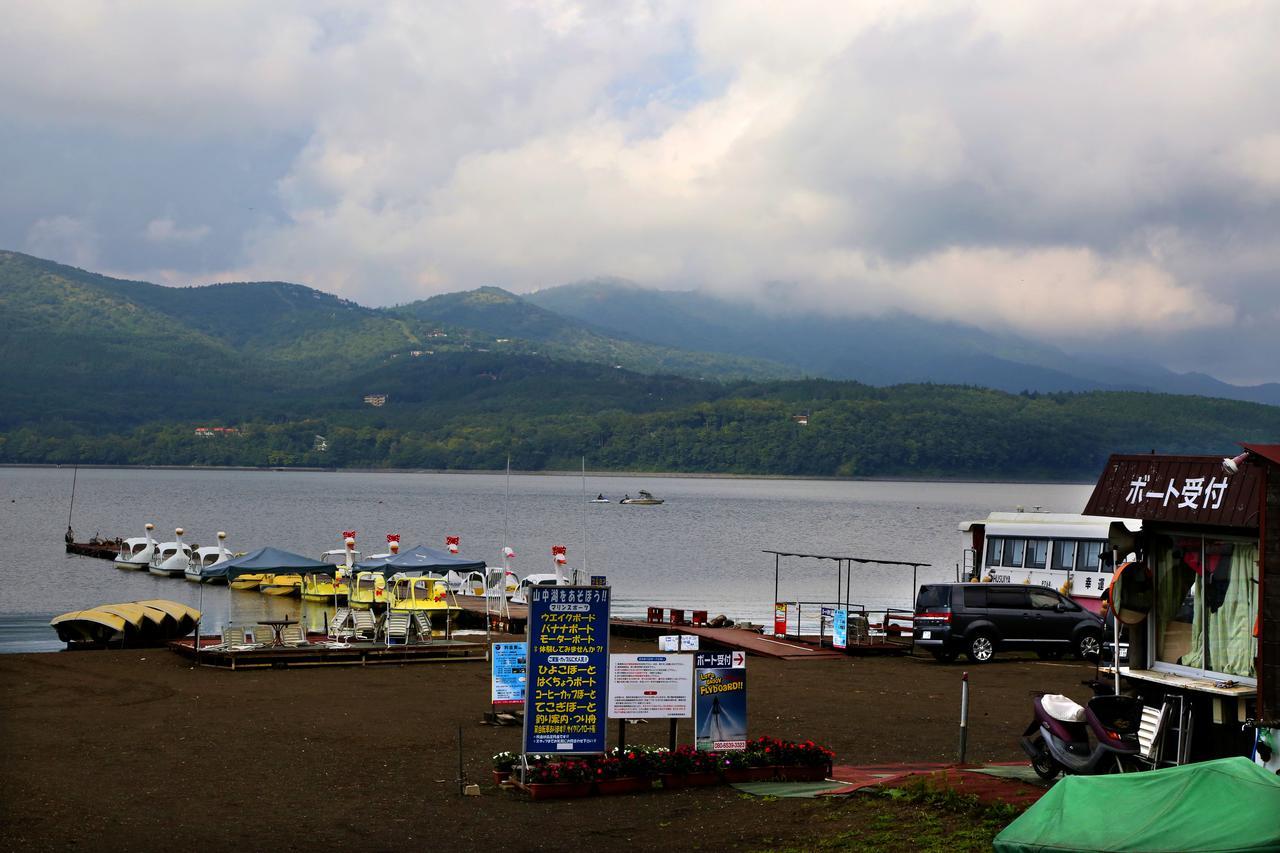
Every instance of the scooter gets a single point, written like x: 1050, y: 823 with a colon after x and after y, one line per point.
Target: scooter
x: 1057, y: 739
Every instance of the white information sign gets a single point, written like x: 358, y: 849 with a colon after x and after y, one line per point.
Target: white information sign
x: 688, y: 642
x: 650, y: 687
x: 669, y: 643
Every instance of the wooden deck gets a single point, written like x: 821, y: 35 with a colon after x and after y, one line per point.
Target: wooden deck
x: 319, y: 653
x: 512, y: 621
x: 729, y: 638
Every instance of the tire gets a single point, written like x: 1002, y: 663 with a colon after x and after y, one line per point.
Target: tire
x: 1049, y: 654
x: 1088, y: 644
x: 982, y: 648
x: 1044, y: 764
x: 944, y: 655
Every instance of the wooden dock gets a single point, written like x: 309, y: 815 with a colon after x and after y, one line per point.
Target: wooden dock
x: 318, y: 652
x: 736, y: 639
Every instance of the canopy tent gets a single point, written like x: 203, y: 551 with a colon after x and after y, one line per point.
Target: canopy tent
x: 1227, y: 804
x: 420, y: 560
x: 265, y: 560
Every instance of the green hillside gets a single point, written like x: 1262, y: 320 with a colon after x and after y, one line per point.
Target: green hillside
x: 99, y: 370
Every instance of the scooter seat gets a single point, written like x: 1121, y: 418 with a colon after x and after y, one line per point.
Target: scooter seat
x: 1062, y: 708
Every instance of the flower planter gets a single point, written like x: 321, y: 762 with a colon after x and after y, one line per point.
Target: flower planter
x: 558, y: 790
x: 749, y: 774
x: 625, y: 785
x: 803, y: 774
x: 690, y: 780
x: 500, y: 776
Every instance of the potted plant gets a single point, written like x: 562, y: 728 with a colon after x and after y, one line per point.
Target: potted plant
x: 744, y: 766
x: 687, y: 767
x: 503, y: 764
x: 565, y: 778
x: 624, y: 771
x: 805, y: 762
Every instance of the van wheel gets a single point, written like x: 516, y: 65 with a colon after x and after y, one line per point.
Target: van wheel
x: 1089, y: 646
x: 981, y: 648
x: 943, y: 655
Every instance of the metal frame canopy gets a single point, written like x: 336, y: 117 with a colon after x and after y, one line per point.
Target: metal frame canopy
x: 847, y: 564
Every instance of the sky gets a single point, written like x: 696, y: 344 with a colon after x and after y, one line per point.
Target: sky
x: 1102, y: 177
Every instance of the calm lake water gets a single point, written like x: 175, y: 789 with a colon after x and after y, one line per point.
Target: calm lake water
x: 702, y: 548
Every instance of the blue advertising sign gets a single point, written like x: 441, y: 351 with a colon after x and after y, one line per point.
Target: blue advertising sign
x: 840, y: 629
x: 566, y: 702
x: 720, y: 701
x: 509, y: 665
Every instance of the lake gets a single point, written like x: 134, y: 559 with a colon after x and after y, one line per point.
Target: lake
x: 702, y: 548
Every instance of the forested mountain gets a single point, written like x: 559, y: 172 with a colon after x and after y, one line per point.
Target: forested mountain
x: 496, y: 313
x: 98, y: 370
x: 886, y: 350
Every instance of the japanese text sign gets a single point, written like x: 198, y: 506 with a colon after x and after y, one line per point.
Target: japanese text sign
x: 720, y: 697
x: 650, y: 687
x: 508, y: 684
x: 565, y: 703
x: 840, y: 629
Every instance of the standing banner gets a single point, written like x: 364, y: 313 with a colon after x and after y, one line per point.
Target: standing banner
x: 567, y: 694
x: 720, y: 691
x: 780, y: 619
x: 650, y: 687
x: 509, y: 665
x: 840, y: 629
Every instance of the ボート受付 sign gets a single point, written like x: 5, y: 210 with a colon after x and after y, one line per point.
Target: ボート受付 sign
x: 720, y: 697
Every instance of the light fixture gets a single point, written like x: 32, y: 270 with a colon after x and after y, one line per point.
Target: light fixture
x: 1231, y: 466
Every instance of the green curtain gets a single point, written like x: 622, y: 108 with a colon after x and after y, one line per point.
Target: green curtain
x: 1229, y: 629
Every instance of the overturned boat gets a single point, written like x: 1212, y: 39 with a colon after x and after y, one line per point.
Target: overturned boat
x: 133, y: 624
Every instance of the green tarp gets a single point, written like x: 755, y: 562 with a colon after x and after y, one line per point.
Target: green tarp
x: 1228, y: 804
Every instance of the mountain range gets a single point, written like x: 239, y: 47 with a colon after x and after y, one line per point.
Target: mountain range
x: 99, y: 369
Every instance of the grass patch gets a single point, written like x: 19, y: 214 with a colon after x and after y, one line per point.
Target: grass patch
x: 919, y: 816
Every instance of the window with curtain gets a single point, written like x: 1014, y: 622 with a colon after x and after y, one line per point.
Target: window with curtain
x: 1206, y: 604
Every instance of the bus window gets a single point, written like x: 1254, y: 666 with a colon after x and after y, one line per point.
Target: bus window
x: 1090, y: 550
x: 1013, y: 549
x: 1037, y: 553
x: 995, y: 546
x: 1064, y: 554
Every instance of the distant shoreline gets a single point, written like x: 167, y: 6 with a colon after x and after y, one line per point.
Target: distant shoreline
x: 701, y: 475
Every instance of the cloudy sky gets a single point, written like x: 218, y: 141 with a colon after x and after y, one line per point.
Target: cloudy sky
x: 1102, y: 177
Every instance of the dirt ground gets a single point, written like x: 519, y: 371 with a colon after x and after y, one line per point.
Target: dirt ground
x: 137, y: 750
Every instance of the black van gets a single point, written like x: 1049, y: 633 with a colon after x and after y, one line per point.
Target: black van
x: 981, y: 618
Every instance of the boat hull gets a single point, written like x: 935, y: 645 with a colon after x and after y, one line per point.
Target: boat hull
x: 130, y: 566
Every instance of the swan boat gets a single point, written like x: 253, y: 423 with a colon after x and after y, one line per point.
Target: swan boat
x: 136, y: 552
x: 172, y: 559
x: 206, y: 556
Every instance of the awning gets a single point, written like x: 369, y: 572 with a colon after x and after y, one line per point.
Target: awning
x: 265, y: 560
x: 421, y: 560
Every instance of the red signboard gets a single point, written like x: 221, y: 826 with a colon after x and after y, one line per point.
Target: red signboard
x: 780, y: 619
x: 1179, y: 490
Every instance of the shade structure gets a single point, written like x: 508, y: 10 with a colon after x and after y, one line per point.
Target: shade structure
x: 421, y: 560
x: 264, y: 560
x: 1227, y: 804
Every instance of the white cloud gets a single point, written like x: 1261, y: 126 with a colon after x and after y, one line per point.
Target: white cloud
x: 165, y: 230
x: 66, y: 239
x: 1066, y: 173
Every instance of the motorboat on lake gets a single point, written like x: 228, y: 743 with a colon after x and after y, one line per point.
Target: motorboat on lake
x: 171, y: 559
x: 644, y: 499
x: 136, y: 552
x: 206, y: 556
x: 599, y: 499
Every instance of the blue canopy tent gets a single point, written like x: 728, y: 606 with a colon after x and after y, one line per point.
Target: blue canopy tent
x: 421, y: 560
x: 265, y: 560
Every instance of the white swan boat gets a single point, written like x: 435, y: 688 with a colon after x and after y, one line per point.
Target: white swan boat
x: 136, y: 552
x: 205, y: 556
x: 171, y: 558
